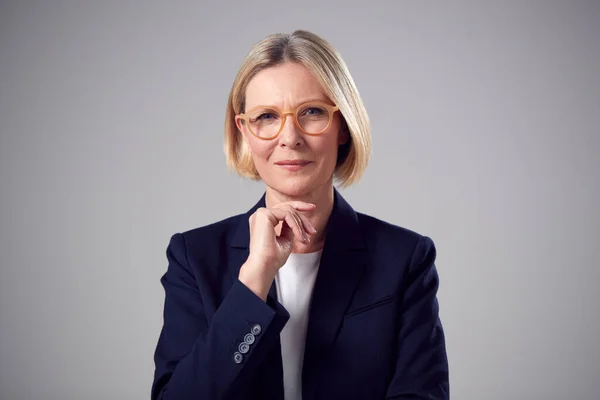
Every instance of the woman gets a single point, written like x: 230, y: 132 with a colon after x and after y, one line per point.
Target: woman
x: 300, y: 297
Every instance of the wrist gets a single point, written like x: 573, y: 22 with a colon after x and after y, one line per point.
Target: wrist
x: 257, y: 278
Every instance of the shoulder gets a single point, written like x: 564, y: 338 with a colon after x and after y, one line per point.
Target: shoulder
x: 374, y: 225
x: 385, y: 237
x: 209, y: 237
x: 217, y: 228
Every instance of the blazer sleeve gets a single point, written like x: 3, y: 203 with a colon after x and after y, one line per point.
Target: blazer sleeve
x: 421, y: 370
x: 196, y: 358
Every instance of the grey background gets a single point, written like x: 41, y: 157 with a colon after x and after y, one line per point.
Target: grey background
x: 486, y: 120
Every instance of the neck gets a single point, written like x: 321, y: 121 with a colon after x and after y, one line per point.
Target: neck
x: 322, y: 197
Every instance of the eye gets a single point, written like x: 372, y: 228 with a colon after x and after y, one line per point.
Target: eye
x: 313, y: 111
x: 267, y: 116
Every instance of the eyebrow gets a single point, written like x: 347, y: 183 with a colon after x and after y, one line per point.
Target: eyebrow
x: 294, y: 106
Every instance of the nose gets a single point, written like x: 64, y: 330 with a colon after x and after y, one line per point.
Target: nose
x: 290, y: 136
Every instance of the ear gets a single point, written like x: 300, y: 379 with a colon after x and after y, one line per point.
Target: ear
x: 239, y: 123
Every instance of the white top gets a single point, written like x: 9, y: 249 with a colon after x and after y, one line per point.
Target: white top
x: 295, y: 282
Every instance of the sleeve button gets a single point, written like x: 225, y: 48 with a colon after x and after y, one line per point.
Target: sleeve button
x: 256, y: 329
x: 238, y: 358
x: 249, y: 338
x: 244, y: 347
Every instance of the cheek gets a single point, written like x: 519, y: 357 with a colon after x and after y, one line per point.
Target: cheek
x: 261, y: 150
x: 326, y: 155
x: 329, y: 149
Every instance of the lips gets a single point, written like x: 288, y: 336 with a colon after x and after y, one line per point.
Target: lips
x: 293, y: 162
x: 293, y: 166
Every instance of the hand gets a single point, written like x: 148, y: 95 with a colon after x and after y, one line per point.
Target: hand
x: 268, y: 251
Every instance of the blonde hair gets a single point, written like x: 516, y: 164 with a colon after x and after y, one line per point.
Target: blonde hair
x: 323, y: 60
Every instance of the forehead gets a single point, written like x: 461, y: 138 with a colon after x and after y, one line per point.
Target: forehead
x: 284, y: 85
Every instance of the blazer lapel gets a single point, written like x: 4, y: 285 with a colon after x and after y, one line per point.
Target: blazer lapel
x: 340, y: 270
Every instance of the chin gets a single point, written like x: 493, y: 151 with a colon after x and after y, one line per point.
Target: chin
x: 297, y: 185
x: 294, y: 187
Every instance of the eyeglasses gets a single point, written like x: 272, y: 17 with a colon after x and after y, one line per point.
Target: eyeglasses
x: 266, y: 122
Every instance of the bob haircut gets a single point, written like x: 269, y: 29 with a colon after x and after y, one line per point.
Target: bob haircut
x: 323, y: 60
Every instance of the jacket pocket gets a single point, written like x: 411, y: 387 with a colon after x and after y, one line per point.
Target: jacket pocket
x: 381, y: 302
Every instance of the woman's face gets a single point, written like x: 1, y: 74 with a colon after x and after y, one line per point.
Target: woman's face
x: 286, y: 86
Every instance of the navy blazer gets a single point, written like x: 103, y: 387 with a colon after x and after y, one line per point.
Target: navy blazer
x: 373, y: 331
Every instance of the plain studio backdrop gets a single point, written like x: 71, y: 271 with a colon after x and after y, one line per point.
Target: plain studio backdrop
x: 486, y: 132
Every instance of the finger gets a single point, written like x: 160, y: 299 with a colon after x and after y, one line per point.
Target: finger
x: 287, y: 232
x: 278, y: 213
x: 301, y: 205
x: 282, y: 210
x: 299, y: 221
x: 302, y: 221
x: 273, y: 215
x: 308, y: 227
x: 281, y: 214
x: 289, y: 214
x: 298, y: 232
